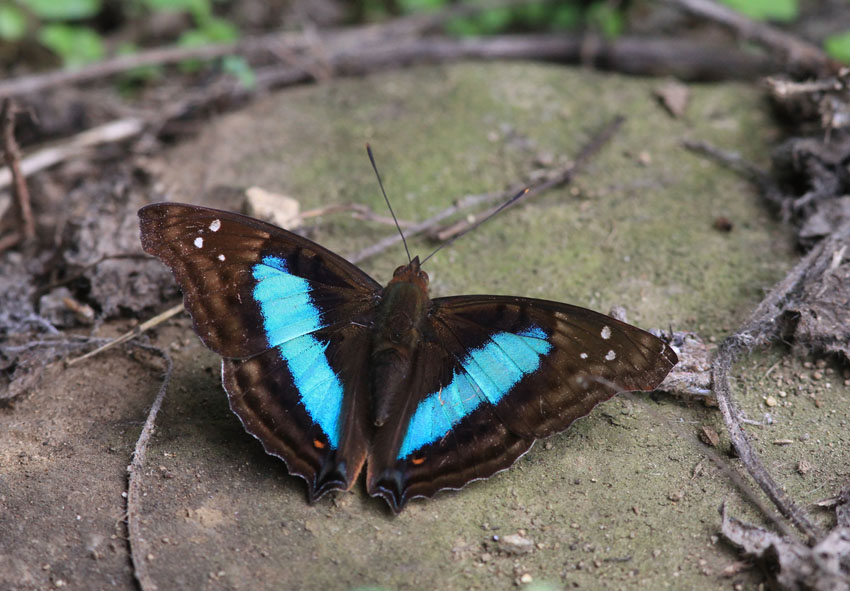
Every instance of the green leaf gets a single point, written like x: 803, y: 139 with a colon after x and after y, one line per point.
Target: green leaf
x: 838, y: 46
x: 201, y: 10
x: 236, y: 65
x: 566, y: 17
x: 766, y: 10
x: 605, y: 18
x: 408, y: 6
x: 215, y: 30
x: 13, y: 22
x: 140, y: 74
x: 62, y: 10
x: 76, y: 46
x: 218, y: 30
x: 485, y: 23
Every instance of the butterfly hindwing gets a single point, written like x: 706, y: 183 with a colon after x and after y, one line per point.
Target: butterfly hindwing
x: 302, y: 412
x: 289, y: 318
x: 511, y: 370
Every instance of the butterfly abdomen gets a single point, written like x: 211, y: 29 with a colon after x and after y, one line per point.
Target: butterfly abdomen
x: 398, y: 330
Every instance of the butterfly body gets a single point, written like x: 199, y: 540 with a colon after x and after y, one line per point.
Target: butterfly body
x: 398, y: 329
x: 330, y: 371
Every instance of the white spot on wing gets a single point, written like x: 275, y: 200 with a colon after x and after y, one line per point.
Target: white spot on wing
x: 199, y: 242
x: 583, y: 355
x: 611, y: 356
x: 606, y: 332
x: 221, y: 257
x: 215, y: 225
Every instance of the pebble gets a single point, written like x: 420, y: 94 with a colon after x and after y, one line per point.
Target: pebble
x: 515, y: 544
x: 770, y: 401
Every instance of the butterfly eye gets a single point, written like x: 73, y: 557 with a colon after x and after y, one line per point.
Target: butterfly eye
x: 424, y: 277
x: 399, y: 270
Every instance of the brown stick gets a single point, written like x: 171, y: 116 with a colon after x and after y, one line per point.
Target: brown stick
x: 550, y: 182
x: 114, y: 131
x: 734, y: 161
x: 471, y: 201
x: 632, y: 55
x: 281, y: 43
x: 761, y: 328
x: 13, y: 160
x: 805, y: 58
x: 135, y: 471
x: 131, y: 334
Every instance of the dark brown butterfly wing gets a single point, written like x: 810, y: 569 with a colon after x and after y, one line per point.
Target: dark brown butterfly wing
x: 497, y: 373
x: 290, y: 319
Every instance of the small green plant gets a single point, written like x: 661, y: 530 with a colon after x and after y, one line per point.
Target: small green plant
x: 62, y: 27
x: 766, y: 10
x: 838, y: 46
x: 55, y: 24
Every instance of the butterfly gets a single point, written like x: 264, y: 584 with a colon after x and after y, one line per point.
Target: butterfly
x: 330, y: 370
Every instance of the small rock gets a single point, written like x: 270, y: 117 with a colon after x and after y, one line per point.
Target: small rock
x: 709, y: 436
x: 280, y: 210
x: 674, y: 96
x: 515, y: 544
x: 723, y: 224
x: 770, y: 401
x: 803, y: 467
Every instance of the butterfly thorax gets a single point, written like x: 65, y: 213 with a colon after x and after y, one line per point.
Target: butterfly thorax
x: 401, y: 315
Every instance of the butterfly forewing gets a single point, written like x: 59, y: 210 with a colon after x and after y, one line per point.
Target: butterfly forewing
x: 289, y: 318
x: 522, y: 369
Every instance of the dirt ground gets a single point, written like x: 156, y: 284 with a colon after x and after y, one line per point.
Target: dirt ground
x: 625, y: 499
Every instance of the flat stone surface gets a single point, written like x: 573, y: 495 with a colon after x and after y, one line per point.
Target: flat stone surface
x: 625, y: 499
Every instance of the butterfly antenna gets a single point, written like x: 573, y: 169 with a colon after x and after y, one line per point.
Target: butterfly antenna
x: 502, y: 207
x: 392, y: 213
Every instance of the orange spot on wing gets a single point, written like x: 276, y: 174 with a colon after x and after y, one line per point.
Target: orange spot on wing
x: 418, y: 461
x: 319, y: 444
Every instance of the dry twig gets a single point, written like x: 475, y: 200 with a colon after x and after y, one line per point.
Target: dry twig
x: 734, y: 161
x: 129, y: 335
x: 13, y: 160
x: 549, y: 181
x: 114, y: 131
x: 762, y: 327
x: 803, y: 57
x: 135, y: 471
x: 471, y: 201
x: 287, y: 45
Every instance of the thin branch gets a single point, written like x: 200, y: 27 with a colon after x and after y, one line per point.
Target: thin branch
x: 115, y: 131
x: 10, y: 240
x: 278, y: 43
x: 549, y: 181
x: 358, y: 211
x: 471, y: 201
x: 734, y: 161
x: 808, y: 59
x: 127, y: 336
x: 135, y: 472
x: 13, y: 160
x: 681, y: 58
x: 762, y: 327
